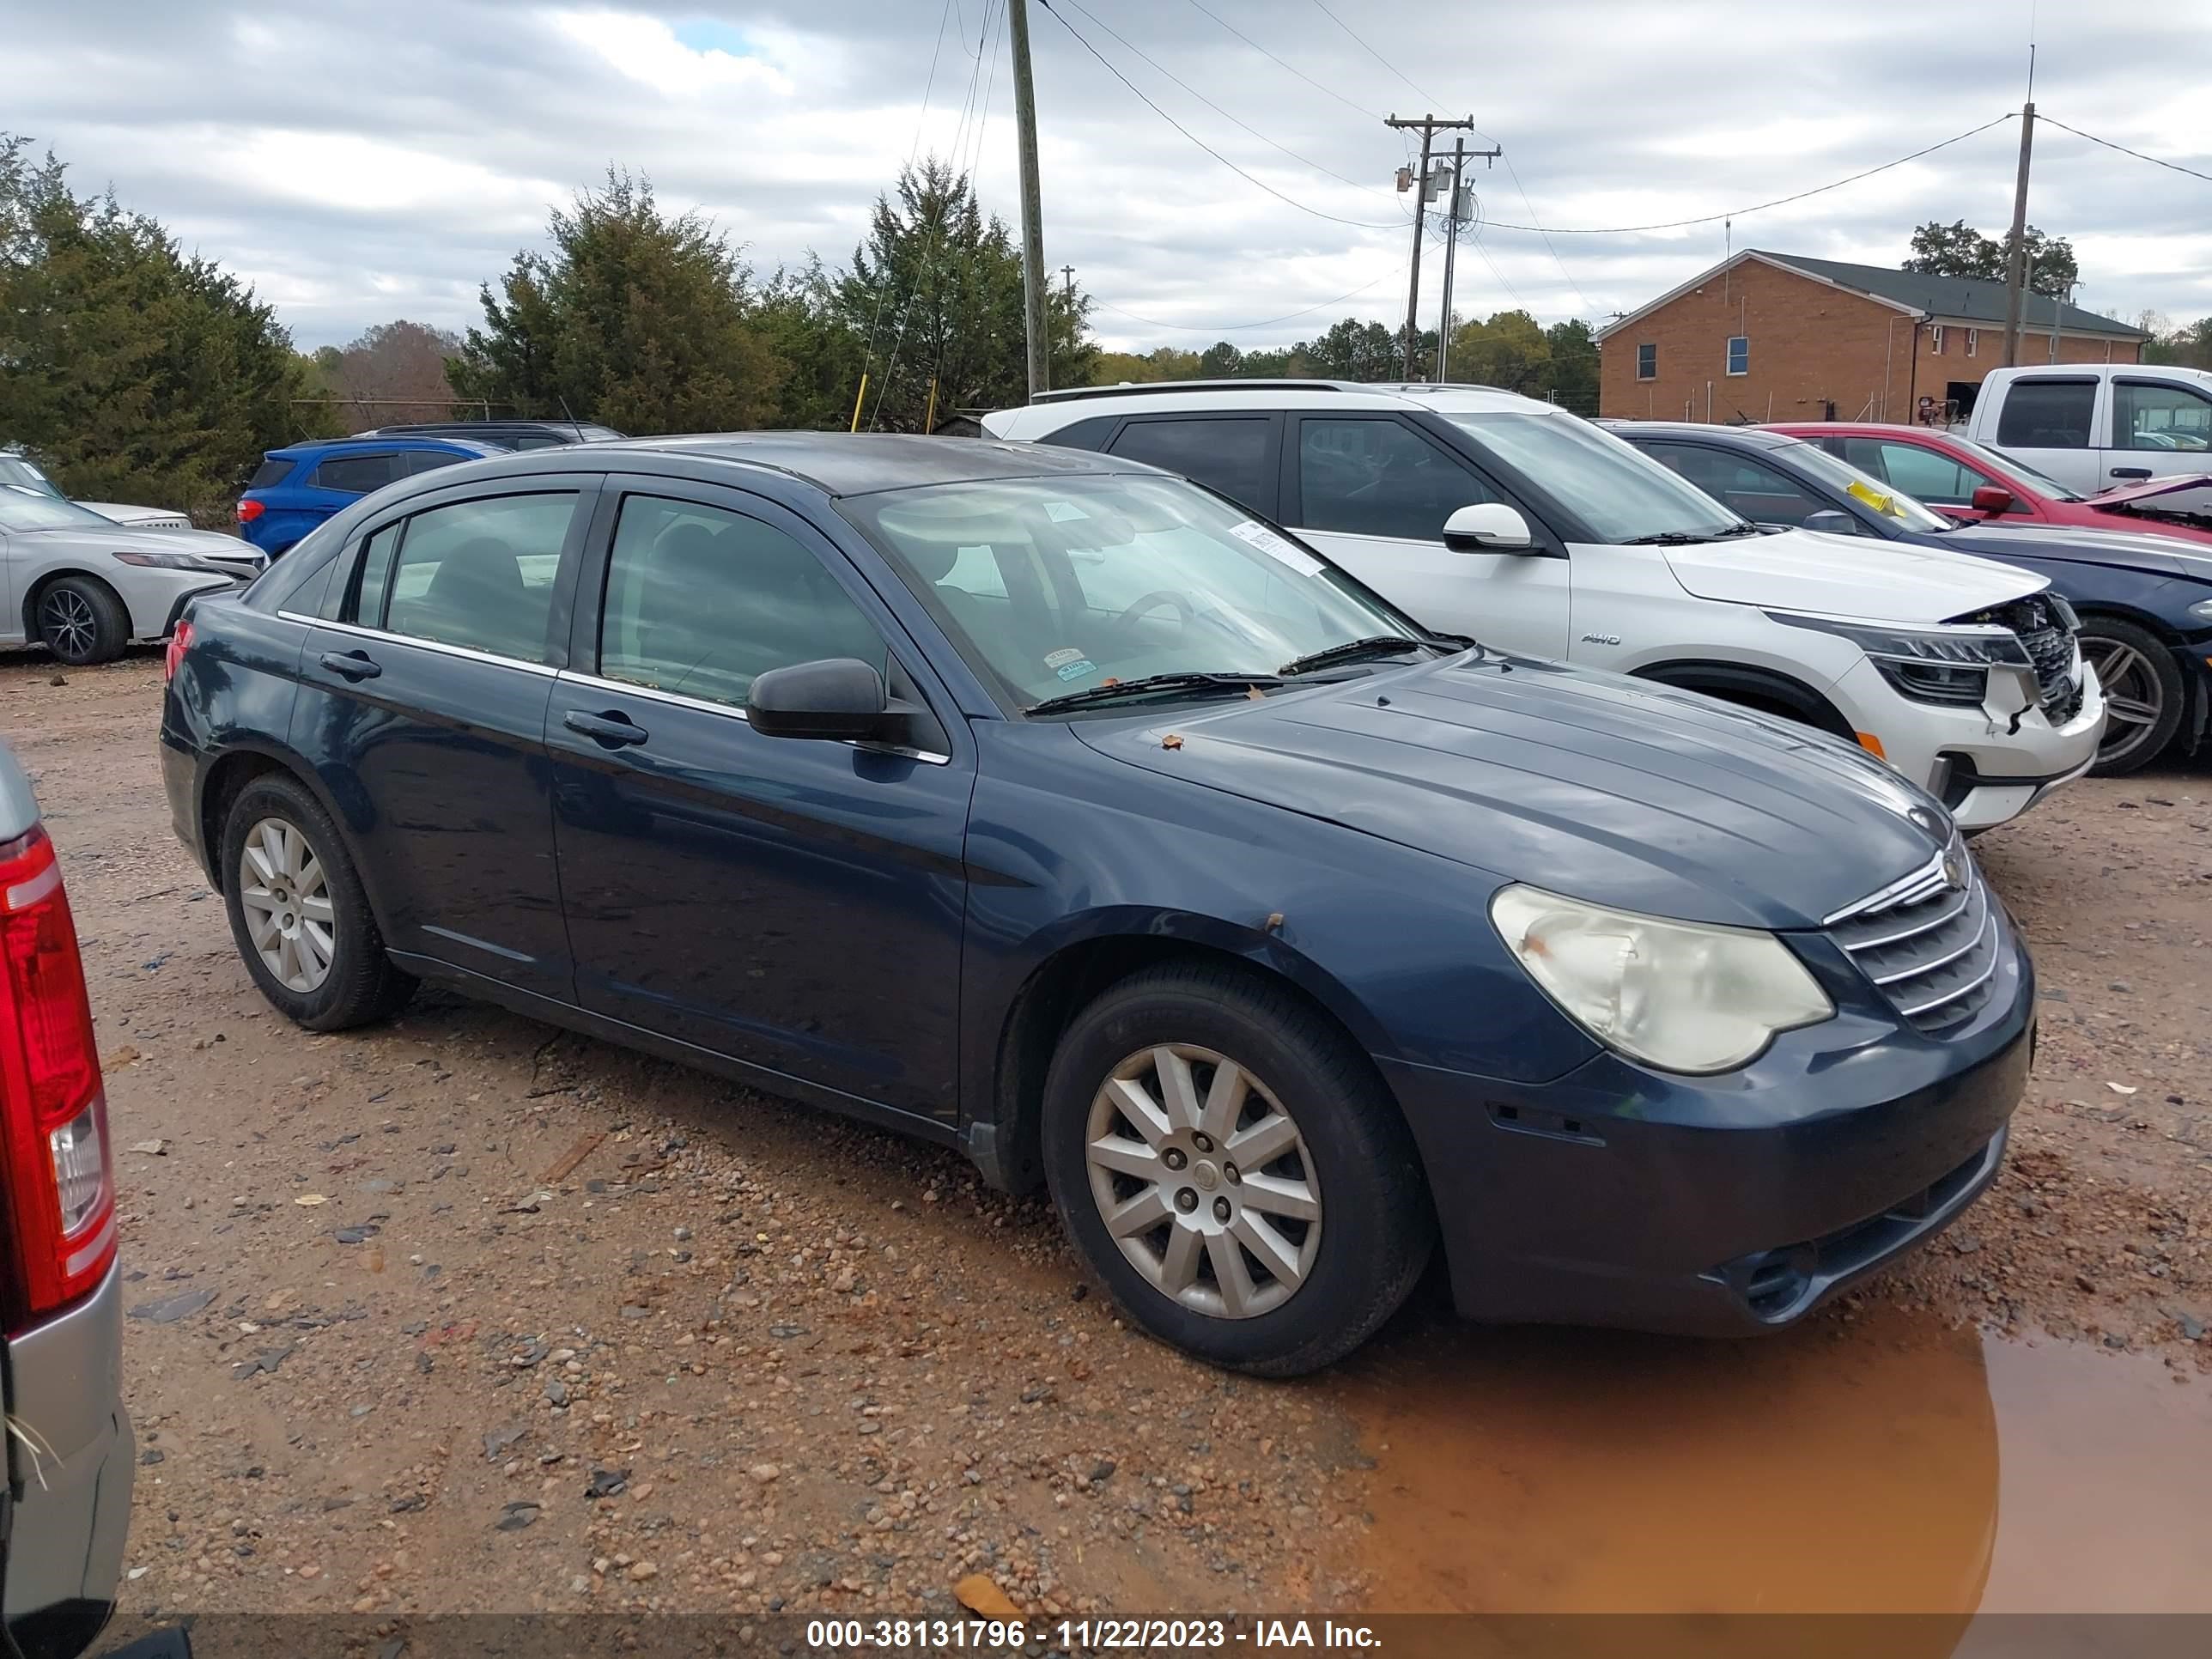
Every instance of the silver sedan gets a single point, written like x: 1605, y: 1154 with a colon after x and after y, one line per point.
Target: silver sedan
x: 85, y: 587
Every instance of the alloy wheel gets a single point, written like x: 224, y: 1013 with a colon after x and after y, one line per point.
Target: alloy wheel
x: 1204, y: 1181
x: 288, y: 914
x: 68, y: 625
x: 2134, y: 701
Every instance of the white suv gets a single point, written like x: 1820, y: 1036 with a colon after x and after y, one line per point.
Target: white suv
x: 1489, y: 514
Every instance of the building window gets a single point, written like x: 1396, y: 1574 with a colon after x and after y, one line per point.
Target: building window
x: 1973, y: 339
x: 1647, y: 362
x: 1739, y: 353
x: 1935, y: 341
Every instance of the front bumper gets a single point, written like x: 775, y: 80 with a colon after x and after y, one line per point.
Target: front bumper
x: 66, y: 1547
x: 1724, y: 1206
x: 1977, y: 764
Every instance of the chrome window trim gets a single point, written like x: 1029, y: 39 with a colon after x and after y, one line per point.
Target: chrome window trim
x: 466, y: 654
x: 729, y: 710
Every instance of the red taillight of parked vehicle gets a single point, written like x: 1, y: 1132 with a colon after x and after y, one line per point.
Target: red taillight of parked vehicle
x: 54, y: 1163
x: 249, y: 510
x: 181, y: 640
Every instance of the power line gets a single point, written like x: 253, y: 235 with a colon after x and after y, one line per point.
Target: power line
x: 883, y: 277
x: 1759, y: 207
x: 1265, y: 322
x: 1293, y: 68
x: 2153, y: 159
x: 1512, y: 173
x: 1108, y: 64
x: 1218, y: 109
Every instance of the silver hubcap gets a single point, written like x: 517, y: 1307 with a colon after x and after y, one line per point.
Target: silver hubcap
x: 287, y: 907
x: 2132, y: 700
x: 65, y: 619
x: 1204, y: 1181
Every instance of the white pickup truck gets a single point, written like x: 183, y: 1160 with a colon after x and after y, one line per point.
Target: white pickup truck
x: 2096, y: 425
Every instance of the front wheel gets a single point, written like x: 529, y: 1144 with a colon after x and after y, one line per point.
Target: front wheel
x: 2144, y: 695
x: 1233, y: 1170
x: 299, y: 916
x: 82, y: 621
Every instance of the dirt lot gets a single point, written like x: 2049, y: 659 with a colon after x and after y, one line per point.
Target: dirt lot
x: 464, y: 1313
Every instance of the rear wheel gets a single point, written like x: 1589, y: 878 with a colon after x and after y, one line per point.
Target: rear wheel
x: 1233, y: 1170
x: 2144, y: 695
x: 297, y: 911
x: 82, y: 621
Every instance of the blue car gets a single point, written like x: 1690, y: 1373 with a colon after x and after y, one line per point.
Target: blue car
x: 1044, y: 804
x: 2145, y: 601
x: 297, y: 488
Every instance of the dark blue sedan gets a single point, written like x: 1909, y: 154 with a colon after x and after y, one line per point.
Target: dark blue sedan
x: 1046, y: 805
x: 2145, y: 601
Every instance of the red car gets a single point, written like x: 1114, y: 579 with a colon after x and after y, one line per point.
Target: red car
x: 1973, y: 483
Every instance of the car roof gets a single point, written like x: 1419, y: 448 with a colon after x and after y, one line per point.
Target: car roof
x: 1151, y: 396
x: 1856, y: 429
x: 839, y: 463
x: 324, y: 447
x: 1746, y: 437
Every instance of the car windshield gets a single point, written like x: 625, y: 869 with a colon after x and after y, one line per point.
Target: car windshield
x: 1620, y: 493
x: 2013, y: 464
x: 16, y: 469
x: 1864, y: 487
x: 22, y: 508
x: 1054, y: 585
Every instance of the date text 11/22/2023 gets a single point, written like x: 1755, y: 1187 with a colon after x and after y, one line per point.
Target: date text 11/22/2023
x: 1011, y: 1636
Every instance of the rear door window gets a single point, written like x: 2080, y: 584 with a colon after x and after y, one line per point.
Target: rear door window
x: 1235, y: 454
x: 430, y: 460
x: 356, y: 475
x: 477, y: 573
x: 1377, y: 476
x: 2047, y: 414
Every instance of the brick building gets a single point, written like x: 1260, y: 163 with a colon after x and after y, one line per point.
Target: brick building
x: 1776, y: 337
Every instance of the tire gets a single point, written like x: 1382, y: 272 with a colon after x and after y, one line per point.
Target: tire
x: 2146, y: 681
x: 289, y: 885
x: 81, y: 621
x: 1350, y: 1153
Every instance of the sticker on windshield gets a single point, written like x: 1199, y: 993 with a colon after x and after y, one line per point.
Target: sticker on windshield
x: 1269, y: 543
x: 1061, y: 512
x: 1076, y: 670
x: 1065, y: 654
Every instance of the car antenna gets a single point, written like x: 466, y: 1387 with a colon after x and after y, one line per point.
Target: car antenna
x: 575, y: 424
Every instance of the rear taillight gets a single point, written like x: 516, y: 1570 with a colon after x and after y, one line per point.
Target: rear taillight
x: 181, y: 640
x: 249, y: 510
x: 55, y: 1168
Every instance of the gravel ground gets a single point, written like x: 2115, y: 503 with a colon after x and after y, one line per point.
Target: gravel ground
x: 464, y: 1313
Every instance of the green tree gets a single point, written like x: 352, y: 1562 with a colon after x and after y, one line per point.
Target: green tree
x: 1160, y: 363
x: 1573, y: 379
x: 1958, y: 250
x: 798, y: 312
x: 1509, y: 351
x: 634, y: 317
x: 935, y: 294
x: 132, y: 371
x: 1353, y: 350
x: 2188, y: 346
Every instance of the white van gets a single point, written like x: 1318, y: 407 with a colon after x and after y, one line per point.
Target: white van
x: 2093, y: 426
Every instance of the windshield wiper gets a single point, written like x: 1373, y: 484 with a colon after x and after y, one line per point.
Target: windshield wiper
x: 1375, y: 644
x: 1150, y: 684
x: 1741, y: 527
x: 1677, y: 539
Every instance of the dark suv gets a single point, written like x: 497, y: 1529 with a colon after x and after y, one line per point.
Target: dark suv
x: 502, y: 435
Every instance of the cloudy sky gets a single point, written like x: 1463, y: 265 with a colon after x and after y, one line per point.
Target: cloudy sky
x: 379, y: 159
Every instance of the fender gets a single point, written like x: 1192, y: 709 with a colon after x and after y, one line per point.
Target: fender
x: 1728, y: 680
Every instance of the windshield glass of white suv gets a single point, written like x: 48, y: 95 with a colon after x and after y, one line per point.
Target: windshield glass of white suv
x: 1052, y: 586
x: 1884, y: 498
x: 1620, y: 493
x: 22, y: 508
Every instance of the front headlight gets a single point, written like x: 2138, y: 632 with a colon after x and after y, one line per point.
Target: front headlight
x: 1945, y: 664
x: 2202, y: 611
x: 174, y: 561
x: 1683, y: 996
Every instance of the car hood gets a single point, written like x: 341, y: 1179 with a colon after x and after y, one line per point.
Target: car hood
x: 1588, y: 784
x: 125, y: 514
x: 1846, y: 576
x: 2133, y: 549
x: 123, y: 539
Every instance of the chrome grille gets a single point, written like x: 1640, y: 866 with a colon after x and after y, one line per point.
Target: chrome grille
x: 1928, y: 943
x: 2046, y: 626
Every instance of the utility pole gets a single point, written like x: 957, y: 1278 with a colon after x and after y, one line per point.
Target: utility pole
x: 2016, y: 266
x: 1068, y: 272
x: 1428, y: 126
x: 1033, y: 277
x: 1451, y: 252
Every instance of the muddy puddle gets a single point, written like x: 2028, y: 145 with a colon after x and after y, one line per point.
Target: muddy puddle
x: 1878, y: 1465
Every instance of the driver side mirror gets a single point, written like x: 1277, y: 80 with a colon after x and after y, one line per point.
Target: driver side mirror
x: 1832, y: 521
x: 1488, y: 527
x: 837, y: 700
x: 1987, y: 498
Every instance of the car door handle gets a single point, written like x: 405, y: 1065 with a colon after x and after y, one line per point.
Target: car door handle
x: 2131, y: 472
x: 353, y: 665
x: 609, y: 731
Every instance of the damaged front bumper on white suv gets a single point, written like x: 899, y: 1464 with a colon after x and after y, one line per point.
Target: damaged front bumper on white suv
x: 2005, y: 711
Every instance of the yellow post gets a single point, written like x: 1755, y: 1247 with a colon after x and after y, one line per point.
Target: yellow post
x: 860, y: 398
x: 929, y: 420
